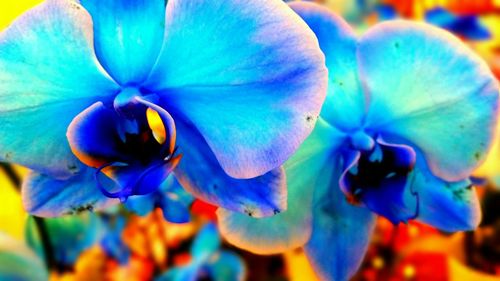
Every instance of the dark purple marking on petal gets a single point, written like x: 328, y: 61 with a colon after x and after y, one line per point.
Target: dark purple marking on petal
x: 378, y: 180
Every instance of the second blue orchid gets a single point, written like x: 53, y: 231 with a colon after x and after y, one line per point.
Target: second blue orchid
x: 410, y: 113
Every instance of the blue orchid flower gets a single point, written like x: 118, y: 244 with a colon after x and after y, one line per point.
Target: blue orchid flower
x: 208, y: 261
x: 171, y: 198
x: 467, y: 26
x: 410, y: 112
x: 18, y: 262
x: 68, y: 236
x: 237, y: 85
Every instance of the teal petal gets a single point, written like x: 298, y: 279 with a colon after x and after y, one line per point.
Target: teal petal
x: 247, y: 74
x: 338, y: 42
x: 48, y: 197
x: 128, y: 36
x: 19, y: 263
x: 201, y: 175
x: 291, y: 228
x: 341, y: 231
x: 427, y: 87
x: 449, y: 206
x: 49, y: 74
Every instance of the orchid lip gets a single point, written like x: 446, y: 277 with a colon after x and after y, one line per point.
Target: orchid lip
x: 132, y: 189
x: 130, y: 103
x: 133, y: 143
x: 379, y: 177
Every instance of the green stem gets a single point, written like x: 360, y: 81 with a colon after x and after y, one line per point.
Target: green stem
x: 16, y: 181
x: 46, y: 243
x: 11, y: 175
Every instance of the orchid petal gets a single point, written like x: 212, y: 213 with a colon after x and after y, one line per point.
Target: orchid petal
x: 52, y: 76
x: 253, y: 107
x: 128, y: 36
x: 93, y: 136
x: 427, y: 87
x: 201, y: 175
x: 48, y: 197
x: 340, y: 233
x: 291, y: 228
x: 449, y: 206
x: 338, y: 42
